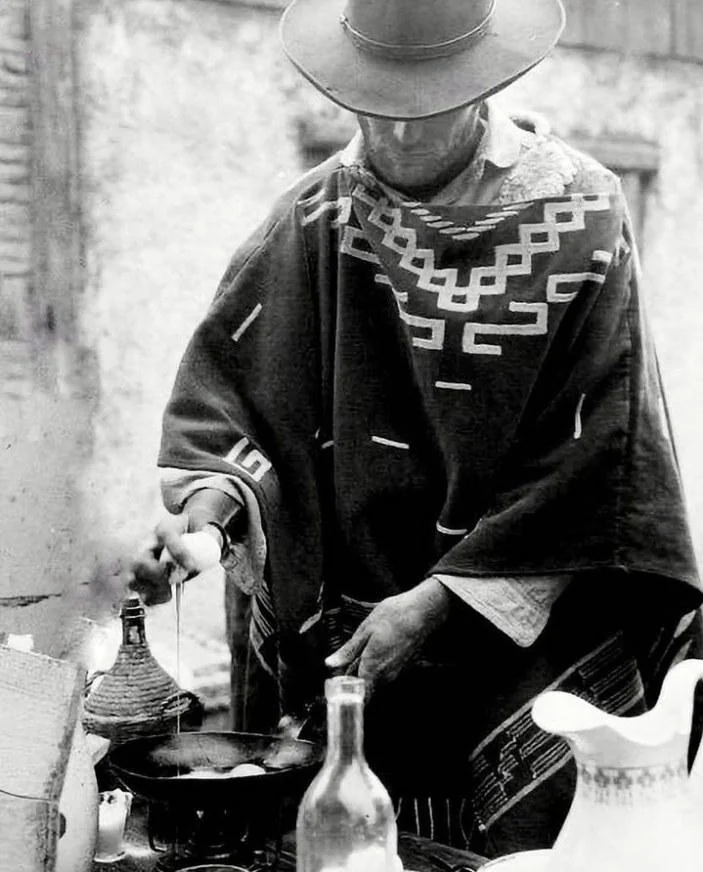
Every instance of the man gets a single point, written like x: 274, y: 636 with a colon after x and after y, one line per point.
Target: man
x: 424, y: 418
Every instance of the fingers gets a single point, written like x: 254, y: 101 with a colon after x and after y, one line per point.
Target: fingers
x: 368, y: 670
x: 169, y: 533
x: 357, y: 657
x: 383, y: 644
x: 150, y: 576
x: 344, y: 657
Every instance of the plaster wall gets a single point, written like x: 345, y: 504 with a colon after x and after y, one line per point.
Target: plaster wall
x: 190, y: 128
x: 185, y: 144
x: 584, y: 93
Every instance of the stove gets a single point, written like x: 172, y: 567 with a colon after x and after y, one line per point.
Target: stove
x: 218, y: 838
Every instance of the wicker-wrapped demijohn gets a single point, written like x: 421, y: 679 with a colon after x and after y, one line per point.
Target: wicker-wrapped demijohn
x: 136, y: 696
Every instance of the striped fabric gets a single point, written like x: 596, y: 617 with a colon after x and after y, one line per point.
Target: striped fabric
x: 515, y: 760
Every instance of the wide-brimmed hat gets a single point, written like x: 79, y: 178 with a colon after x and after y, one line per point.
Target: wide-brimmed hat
x: 416, y: 58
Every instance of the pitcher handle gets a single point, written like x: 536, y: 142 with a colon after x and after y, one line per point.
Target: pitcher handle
x: 677, y: 696
x: 696, y: 765
x: 677, y: 693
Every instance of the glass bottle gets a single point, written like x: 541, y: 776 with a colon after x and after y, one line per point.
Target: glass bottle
x: 346, y: 821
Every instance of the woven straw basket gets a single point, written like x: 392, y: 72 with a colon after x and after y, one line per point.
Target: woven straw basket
x: 136, y: 696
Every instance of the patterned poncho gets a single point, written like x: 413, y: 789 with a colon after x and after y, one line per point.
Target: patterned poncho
x: 413, y: 389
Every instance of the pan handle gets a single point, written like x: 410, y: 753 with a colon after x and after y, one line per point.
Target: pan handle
x: 290, y: 727
x: 310, y: 726
x: 150, y: 830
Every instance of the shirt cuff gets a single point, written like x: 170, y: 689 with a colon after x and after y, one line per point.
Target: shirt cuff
x: 517, y: 606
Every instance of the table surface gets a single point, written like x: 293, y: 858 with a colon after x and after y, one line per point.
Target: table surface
x: 417, y: 853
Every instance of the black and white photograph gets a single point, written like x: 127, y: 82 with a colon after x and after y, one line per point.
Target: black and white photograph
x: 351, y: 488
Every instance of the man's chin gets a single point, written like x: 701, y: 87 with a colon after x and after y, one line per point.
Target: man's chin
x: 414, y: 184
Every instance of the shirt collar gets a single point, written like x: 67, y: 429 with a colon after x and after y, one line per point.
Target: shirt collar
x: 503, y: 140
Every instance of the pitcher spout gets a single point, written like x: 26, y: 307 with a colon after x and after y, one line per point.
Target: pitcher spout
x: 590, y: 730
x: 621, y: 740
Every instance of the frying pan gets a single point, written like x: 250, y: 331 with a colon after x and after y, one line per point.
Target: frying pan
x: 153, y: 767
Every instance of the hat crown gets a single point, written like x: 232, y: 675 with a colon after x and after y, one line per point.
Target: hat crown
x: 408, y: 59
x: 417, y: 22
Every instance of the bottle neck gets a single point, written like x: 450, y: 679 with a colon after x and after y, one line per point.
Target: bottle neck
x: 345, y: 730
x: 132, y: 615
x: 133, y: 633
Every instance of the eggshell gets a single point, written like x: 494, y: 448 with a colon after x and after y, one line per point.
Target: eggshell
x: 203, y: 549
x: 247, y: 769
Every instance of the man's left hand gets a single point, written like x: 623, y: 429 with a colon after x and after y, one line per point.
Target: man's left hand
x: 393, y: 633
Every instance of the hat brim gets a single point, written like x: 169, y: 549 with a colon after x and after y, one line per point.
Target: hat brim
x: 520, y: 36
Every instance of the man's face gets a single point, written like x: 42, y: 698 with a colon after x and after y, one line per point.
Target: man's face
x: 420, y: 154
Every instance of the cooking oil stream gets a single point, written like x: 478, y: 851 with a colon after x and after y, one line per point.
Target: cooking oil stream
x: 178, y: 599
x: 205, y: 554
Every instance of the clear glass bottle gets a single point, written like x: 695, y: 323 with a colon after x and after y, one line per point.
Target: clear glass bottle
x: 346, y: 821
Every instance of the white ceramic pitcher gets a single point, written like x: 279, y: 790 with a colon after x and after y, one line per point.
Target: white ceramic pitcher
x: 635, y: 809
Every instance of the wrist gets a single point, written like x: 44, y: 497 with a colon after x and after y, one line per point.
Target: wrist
x: 436, y: 600
x: 212, y: 510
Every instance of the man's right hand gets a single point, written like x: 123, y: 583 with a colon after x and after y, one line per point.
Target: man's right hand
x: 151, y: 574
